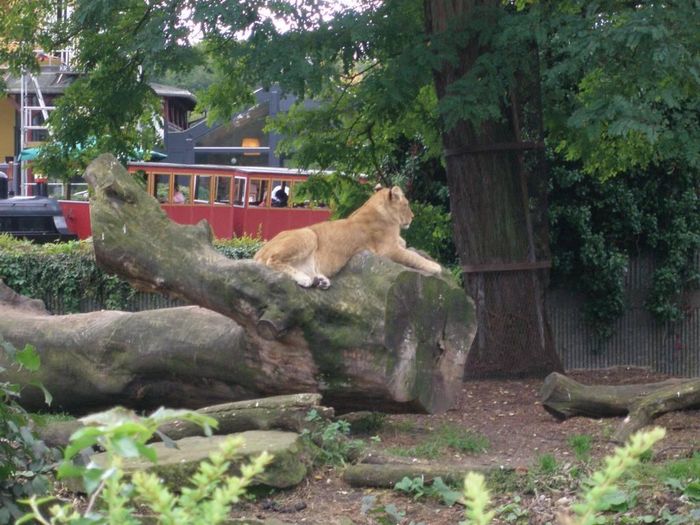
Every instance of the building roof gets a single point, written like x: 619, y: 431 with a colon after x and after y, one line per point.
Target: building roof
x: 51, y: 79
x: 174, y: 92
x: 54, y: 80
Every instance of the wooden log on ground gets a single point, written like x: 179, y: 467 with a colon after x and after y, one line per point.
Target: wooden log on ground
x: 288, y: 413
x: 387, y: 475
x: 563, y: 397
x: 383, y: 337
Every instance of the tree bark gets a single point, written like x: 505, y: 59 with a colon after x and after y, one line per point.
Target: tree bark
x: 563, y: 398
x: 490, y: 199
x: 383, y: 337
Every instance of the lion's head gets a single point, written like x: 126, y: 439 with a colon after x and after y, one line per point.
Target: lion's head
x: 399, y: 207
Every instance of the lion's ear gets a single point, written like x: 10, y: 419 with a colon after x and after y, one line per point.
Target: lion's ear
x: 395, y: 193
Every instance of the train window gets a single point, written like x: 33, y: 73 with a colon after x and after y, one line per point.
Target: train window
x: 223, y: 190
x: 202, y: 189
x: 279, y: 197
x: 239, y: 191
x: 161, y: 187
x: 258, y: 193
x: 181, y: 189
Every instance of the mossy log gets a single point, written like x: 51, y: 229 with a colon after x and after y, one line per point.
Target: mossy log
x: 288, y: 413
x: 383, y: 336
x: 563, y: 397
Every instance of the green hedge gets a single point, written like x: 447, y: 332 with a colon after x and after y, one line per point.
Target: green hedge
x: 67, y: 271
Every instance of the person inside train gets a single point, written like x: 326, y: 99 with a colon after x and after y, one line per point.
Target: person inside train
x: 178, y: 196
x: 280, y: 196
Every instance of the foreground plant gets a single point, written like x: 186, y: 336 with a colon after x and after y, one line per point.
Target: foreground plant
x: 112, y: 498
x: 603, y: 482
x: 25, y: 460
x: 600, y: 486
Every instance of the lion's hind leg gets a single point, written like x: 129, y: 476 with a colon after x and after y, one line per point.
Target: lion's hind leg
x: 292, y: 253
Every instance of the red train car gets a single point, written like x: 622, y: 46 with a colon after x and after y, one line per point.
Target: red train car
x: 236, y: 201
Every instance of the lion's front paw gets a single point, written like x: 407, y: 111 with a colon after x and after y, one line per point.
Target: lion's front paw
x: 322, y: 282
x: 433, y: 267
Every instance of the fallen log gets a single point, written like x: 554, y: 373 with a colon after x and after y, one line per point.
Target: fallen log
x: 387, y: 475
x: 187, y: 356
x: 288, y: 413
x: 383, y: 337
x: 563, y: 397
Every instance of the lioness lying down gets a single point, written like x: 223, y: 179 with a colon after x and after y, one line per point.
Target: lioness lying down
x: 311, y: 255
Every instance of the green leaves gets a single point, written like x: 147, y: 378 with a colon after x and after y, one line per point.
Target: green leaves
x: 28, y: 358
x: 417, y: 487
x: 24, y: 459
x: 620, y: 82
x: 597, y: 226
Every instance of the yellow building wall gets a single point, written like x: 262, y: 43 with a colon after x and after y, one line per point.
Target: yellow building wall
x: 7, y: 129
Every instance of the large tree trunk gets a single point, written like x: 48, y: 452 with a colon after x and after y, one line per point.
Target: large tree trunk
x: 498, y: 239
x: 383, y: 337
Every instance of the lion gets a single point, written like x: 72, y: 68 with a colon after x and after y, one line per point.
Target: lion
x: 313, y: 254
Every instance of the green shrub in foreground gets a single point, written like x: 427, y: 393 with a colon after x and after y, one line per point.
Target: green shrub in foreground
x: 595, y: 499
x: 25, y: 460
x: 142, y: 498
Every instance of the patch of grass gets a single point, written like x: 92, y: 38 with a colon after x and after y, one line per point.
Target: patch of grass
x: 688, y: 468
x: 504, y: 481
x: 546, y: 464
x: 581, y: 444
x: 651, y: 472
x: 425, y: 450
x: 447, y: 437
x: 402, y: 426
x: 463, y: 441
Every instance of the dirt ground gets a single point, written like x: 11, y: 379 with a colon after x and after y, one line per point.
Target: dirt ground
x: 519, y: 431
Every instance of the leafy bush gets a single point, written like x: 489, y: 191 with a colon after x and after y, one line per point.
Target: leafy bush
x: 25, y: 460
x: 114, y: 499
x: 332, y: 438
x: 342, y: 193
x: 431, y: 231
x: 238, y: 247
x: 67, y: 272
x: 596, y: 226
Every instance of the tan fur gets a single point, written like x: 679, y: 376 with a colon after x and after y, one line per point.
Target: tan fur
x: 311, y: 255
